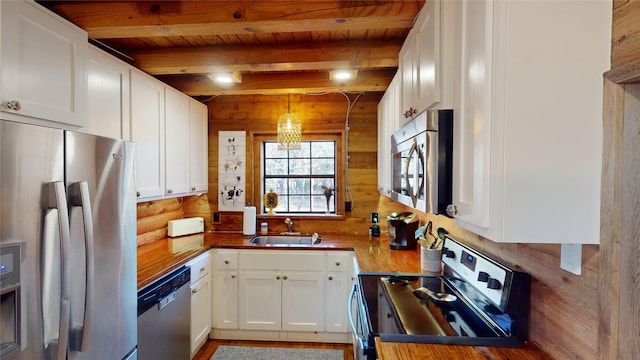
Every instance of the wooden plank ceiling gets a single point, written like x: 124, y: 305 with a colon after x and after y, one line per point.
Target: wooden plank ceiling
x: 277, y: 46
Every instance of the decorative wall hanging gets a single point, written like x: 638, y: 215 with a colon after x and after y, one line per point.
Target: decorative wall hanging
x: 231, y: 170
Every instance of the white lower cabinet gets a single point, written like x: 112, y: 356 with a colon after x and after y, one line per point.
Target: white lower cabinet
x: 200, y: 301
x: 294, y: 295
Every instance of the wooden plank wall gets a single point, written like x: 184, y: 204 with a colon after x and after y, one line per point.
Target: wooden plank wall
x: 564, y: 307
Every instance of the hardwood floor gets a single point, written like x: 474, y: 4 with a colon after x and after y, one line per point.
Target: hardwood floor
x: 207, y: 350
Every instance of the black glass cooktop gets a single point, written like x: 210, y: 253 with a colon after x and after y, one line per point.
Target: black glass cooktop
x: 420, y: 308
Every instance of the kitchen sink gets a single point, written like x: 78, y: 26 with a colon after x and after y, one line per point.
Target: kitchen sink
x: 285, y: 240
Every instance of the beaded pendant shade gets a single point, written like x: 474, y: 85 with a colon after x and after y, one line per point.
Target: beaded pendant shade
x: 289, y: 130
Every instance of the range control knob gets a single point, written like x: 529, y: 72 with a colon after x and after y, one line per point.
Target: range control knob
x: 483, y: 276
x: 494, y: 284
x: 450, y: 254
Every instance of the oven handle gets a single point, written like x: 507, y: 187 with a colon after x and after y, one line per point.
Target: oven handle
x: 356, y: 336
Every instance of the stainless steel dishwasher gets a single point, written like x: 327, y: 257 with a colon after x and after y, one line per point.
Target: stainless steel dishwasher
x: 164, y: 318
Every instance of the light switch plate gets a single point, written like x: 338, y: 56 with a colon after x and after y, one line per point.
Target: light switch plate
x: 571, y: 258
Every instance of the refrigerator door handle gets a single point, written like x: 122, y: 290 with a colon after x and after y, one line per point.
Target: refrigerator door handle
x: 80, y: 196
x: 56, y: 280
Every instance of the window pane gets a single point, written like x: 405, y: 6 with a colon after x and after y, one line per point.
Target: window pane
x: 299, y: 203
x: 323, y: 149
x: 322, y: 166
x: 300, y: 167
x: 299, y: 186
x: 275, y: 167
x: 279, y: 185
x: 304, y: 152
x: 271, y: 151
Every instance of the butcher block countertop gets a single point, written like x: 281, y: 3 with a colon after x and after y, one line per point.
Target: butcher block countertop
x: 161, y: 257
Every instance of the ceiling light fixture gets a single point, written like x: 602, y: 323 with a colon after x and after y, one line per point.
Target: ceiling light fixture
x: 289, y: 130
x: 343, y: 74
x: 226, y: 77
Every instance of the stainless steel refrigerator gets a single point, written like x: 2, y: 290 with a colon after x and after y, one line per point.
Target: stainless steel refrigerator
x: 67, y: 244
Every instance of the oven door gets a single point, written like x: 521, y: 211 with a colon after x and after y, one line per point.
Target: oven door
x: 363, y: 342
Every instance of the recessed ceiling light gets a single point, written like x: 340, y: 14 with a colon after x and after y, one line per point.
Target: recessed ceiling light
x: 226, y: 77
x: 343, y: 74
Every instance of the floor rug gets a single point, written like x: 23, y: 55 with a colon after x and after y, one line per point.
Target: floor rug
x: 274, y: 353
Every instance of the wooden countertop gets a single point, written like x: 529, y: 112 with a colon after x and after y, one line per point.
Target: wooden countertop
x: 161, y: 257
x: 373, y: 254
x: 396, y: 351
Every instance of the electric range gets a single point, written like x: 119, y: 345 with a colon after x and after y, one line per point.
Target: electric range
x: 476, y: 301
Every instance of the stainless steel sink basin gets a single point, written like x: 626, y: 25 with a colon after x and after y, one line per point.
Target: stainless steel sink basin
x: 284, y: 240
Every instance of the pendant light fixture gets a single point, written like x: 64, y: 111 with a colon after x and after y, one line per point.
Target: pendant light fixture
x: 289, y: 130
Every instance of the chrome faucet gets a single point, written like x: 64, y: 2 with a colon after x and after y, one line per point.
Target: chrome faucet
x: 289, y: 223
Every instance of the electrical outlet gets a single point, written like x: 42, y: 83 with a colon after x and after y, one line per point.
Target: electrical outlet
x: 216, y: 218
x: 374, y: 218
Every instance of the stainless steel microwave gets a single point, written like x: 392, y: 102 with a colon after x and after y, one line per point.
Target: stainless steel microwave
x: 422, y: 162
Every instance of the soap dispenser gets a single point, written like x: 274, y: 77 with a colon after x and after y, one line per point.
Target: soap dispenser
x: 264, y: 228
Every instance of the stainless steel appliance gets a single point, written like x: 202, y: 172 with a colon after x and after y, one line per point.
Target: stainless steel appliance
x: 402, y: 229
x: 67, y: 200
x: 422, y: 162
x: 477, y: 301
x: 164, y: 317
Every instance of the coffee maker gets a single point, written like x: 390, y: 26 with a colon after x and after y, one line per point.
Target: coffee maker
x: 402, y: 229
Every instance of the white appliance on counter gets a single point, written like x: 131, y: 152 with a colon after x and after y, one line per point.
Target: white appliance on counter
x: 67, y: 245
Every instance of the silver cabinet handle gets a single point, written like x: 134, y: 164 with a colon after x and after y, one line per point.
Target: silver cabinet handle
x: 202, y: 269
x: 193, y: 291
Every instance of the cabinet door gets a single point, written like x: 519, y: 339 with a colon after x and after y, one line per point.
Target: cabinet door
x: 409, y: 77
x: 428, y: 57
x: 472, y: 130
x: 43, y: 65
x: 108, y: 95
x: 198, y: 146
x: 338, y: 286
x: 260, y: 300
x: 200, y: 312
x: 388, y: 118
x: 303, y: 301
x: 225, y: 299
x: 177, y: 143
x: 147, y: 131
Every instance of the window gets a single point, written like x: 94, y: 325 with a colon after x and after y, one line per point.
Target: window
x: 304, y: 179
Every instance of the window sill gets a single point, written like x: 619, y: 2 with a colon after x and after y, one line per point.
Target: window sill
x: 302, y: 216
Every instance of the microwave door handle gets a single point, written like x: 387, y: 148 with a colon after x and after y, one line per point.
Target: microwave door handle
x: 56, y: 262
x: 354, y: 330
x: 80, y: 196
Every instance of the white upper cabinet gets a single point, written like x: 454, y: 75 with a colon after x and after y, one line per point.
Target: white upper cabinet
x: 177, y: 129
x: 198, y: 146
x: 107, y: 95
x: 43, y: 66
x: 148, y: 131
x: 420, y: 62
x: 528, y: 118
x: 388, y: 117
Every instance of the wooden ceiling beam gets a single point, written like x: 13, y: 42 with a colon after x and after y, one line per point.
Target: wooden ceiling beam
x: 139, y: 19
x: 285, y: 83
x: 327, y: 55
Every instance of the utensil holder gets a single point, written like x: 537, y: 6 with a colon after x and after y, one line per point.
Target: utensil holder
x: 430, y: 260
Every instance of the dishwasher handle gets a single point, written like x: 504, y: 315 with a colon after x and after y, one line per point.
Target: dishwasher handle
x: 356, y: 334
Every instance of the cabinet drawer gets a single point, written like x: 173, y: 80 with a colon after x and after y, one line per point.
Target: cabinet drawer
x: 338, y: 261
x: 284, y: 260
x: 200, y: 267
x: 225, y: 259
